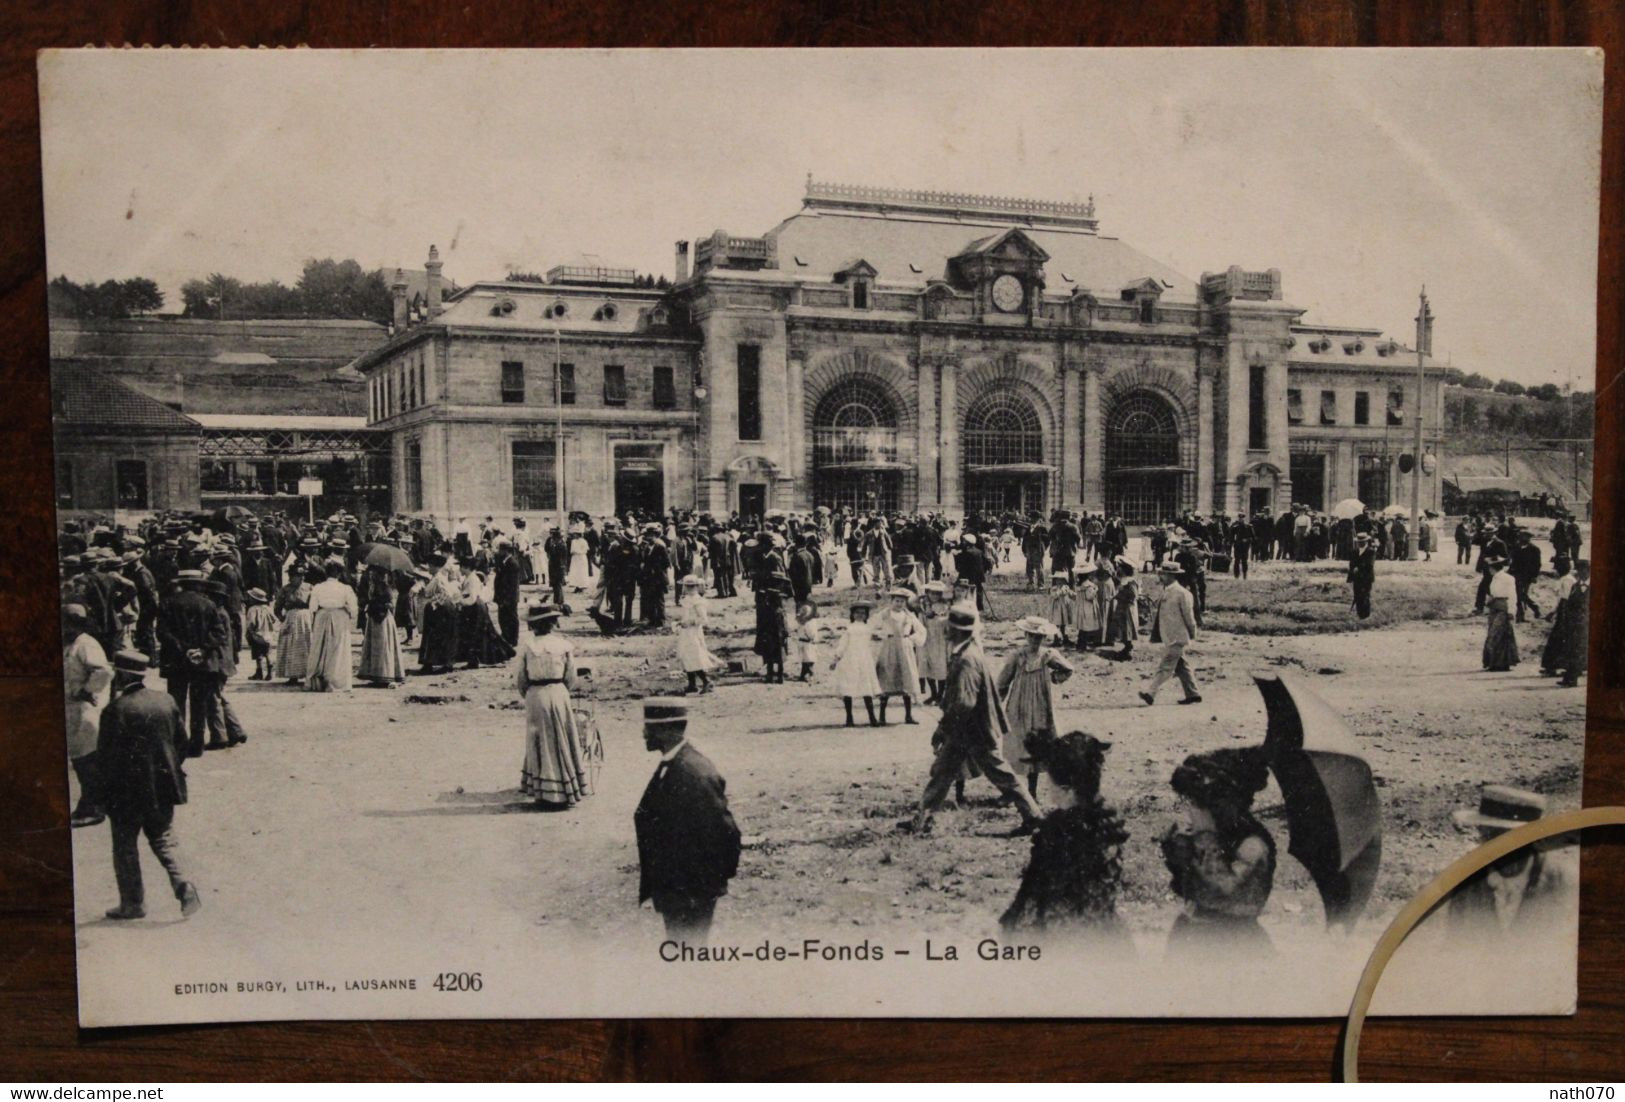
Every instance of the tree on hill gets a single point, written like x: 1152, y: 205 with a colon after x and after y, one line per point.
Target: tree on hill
x: 1475, y: 381
x: 1507, y: 386
x: 1545, y: 392
x: 109, y: 299
x: 342, y: 289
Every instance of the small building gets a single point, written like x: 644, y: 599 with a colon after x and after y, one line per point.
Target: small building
x: 267, y: 399
x: 118, y: 451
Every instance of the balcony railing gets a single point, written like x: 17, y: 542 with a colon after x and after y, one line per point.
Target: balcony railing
x: 857, y: 448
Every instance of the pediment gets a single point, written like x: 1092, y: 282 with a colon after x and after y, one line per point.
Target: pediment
x: 1012, y: 244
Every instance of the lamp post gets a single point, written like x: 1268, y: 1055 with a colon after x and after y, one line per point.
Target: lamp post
x: 699, y: 396
x: 1424, y: 345
x: 558, y: 431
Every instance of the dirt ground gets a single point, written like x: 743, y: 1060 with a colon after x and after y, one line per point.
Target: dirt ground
x: 397, y: 809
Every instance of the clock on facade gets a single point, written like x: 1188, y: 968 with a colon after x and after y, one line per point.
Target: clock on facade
x: 1008, y: 293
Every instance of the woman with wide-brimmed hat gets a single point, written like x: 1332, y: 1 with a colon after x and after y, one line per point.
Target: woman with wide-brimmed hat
x: 555, y: 770
x: 1075, y: 868
x: 1221, y: 857
x: 1026, y: 684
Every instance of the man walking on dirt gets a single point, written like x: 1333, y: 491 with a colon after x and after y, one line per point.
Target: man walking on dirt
x: 1175, y: 623
x: 972, y: 727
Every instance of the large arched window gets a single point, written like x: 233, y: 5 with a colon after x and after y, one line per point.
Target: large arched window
x: 1002, y: 428
x: 1142, y: 432
x: 1147, y: 472
x: 855, y: 446
x: 855, y: 402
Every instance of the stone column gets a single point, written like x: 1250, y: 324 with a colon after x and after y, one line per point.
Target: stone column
x: 949, y: 492
x: 1275, y: 379
x: 928, y: 493
x: 1094, y: 438
x: 795, y: 371
x: 1204, y: 436
x: 1071, y: 427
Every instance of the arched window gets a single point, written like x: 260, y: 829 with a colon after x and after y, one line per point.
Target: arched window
x: 855, y: 402
x: 855, y: 448
x: 1146, y: 469
x: 1142, y: 432
x: 1002, y: 427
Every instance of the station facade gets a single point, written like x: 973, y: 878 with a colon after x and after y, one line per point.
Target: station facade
x: 894, y: 350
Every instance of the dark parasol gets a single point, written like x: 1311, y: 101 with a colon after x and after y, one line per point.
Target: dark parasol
x: 386, y: 555
x: 1332, y: 811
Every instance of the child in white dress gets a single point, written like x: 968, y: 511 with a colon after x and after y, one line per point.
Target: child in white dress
x: 805, y: 638
x: 854, y: 664
x: 696, y: 658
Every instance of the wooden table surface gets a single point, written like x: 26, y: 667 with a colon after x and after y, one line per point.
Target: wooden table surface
x: 39, y: 1038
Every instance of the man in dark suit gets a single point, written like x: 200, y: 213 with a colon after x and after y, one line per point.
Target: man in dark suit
x: 1362, y: 574
x: 506, y: 579
x: 557, y: 550
x: 193, y: 638
x: 806, y: 569
x: 688, y: 842
x: 723, y: 554
x: 654, y: 575
x: 1525, y: 571
x: 138, y: 753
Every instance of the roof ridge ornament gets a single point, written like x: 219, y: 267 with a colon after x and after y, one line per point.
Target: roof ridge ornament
x: 1003, y: 208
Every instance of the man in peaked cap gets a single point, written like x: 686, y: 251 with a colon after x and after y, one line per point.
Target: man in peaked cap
x: 688, y: 842
x: 972, y: 727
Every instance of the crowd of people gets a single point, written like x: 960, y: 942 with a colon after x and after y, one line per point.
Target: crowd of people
x: 188, y: 594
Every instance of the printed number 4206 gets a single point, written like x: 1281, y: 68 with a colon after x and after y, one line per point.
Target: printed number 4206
x: 458, y: 981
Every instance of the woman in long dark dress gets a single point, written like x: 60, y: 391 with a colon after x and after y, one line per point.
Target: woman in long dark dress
x: 772, y: 629
x: 442, y: 604
x: 480, y: 643
x: 1075, y: 871
x: 1500, y: 640
x: 1222, y: 859
x: 1577, y: 631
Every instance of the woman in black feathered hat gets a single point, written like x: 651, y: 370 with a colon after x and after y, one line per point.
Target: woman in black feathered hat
x: 1075, y: 871
x: 1221, y: 857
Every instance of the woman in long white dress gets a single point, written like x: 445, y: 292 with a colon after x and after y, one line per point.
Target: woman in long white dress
x: 580, y: 573
x: 854, y: 663
x: 333, y: 610
x: 555, y: 769
x: 692, y: 616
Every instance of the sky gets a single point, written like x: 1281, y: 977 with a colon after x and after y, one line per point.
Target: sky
x: 1362, y: 175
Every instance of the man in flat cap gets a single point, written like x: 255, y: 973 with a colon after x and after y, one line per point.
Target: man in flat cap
x: 139, y: 750
x: 972, y: 727
x: 688, y: 842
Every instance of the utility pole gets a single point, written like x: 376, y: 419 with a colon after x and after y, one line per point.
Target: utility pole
x: 1424, y: 345
x: 558, y: 433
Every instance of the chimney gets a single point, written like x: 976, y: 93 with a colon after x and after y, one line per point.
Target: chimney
x: 682, y: 261
x: 432, y: 267
x: 397, y: 292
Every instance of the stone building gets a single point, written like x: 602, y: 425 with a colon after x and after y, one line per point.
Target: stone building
x: 894, y: 350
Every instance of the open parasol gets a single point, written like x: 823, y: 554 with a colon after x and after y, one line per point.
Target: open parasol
x: 388, y: 556
x: 1396, y: 511
x: 1332, y: 811
x: 1348, y: 508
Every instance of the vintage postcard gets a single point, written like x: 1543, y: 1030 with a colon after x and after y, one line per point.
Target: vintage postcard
x: 907, y: 533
